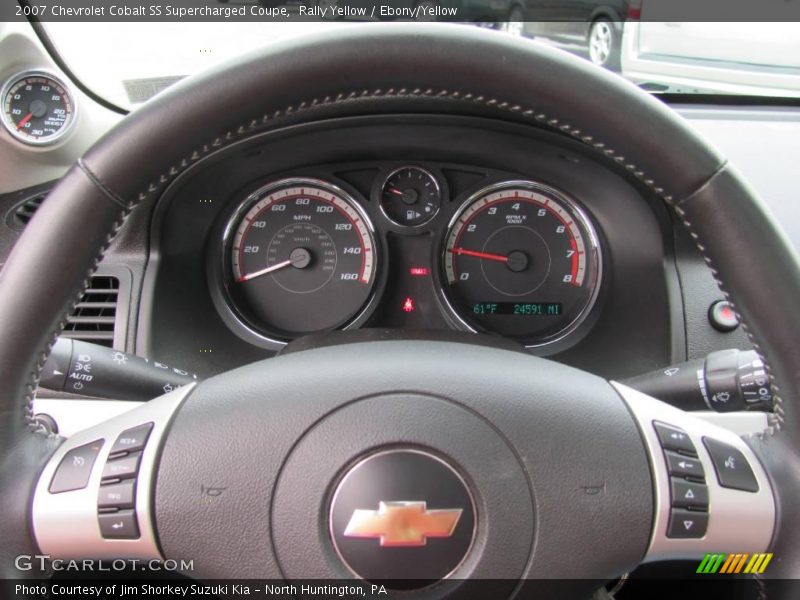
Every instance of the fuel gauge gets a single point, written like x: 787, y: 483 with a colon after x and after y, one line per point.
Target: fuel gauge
x: 410, y: 196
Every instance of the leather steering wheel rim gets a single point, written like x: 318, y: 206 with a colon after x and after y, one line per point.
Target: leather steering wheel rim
x: 376, y: 69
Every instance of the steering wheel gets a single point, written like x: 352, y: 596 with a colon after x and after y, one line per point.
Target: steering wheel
x: 427, y: 462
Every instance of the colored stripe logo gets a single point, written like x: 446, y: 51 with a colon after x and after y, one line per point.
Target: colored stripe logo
x: 734, y: 563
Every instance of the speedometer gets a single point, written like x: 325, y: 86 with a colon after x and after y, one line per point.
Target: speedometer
x: 521, y: 260
x: 301, y: 259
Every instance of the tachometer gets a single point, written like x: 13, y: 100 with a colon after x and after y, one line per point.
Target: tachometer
x: 521, y: 260
x: 37, y: 108
x: 302, y: 258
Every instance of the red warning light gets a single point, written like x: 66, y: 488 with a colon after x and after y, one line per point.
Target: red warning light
x: 419, y: 271
x: 408, y: 305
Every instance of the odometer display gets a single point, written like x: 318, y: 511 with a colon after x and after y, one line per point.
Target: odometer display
x: 302, y: 259
x: 533, y: 309
x: 37, y: 108
x: 521, y: 260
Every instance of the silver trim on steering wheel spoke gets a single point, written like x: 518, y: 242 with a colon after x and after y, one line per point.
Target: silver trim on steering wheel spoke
x: 66, y: 524
x: 738, y: 521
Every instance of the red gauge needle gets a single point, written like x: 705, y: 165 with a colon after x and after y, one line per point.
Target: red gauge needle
x: 271, y: 269
x: 300, y: 258
x: 24, y: 120
x: 483, y: 255
x: 395, y: 191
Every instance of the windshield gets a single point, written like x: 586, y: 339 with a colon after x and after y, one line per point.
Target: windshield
x: 127, y: 63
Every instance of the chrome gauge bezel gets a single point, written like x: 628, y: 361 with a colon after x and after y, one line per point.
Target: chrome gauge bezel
x: 11, y: 128
x: 418, y: 226
x: 221, y: 269
x: 553, y: 342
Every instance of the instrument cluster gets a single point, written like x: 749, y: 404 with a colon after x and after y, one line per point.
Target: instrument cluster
x: 412, y: 246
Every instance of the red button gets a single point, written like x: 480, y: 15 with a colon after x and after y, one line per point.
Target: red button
x: 722, y: 316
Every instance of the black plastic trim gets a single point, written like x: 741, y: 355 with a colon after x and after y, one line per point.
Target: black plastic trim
x: 672, y: 99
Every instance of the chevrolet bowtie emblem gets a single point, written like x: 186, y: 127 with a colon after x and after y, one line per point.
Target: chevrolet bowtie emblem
x: 402, y: 523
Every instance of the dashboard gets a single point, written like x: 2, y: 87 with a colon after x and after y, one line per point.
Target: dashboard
x: 639, y: 294
x: 392, y: 225
x: 411, y: 223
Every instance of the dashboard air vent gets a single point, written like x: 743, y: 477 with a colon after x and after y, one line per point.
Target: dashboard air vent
x: 23, y: 212
x: 94, y: 316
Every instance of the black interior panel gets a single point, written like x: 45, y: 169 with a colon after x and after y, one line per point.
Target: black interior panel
x: 629, y: 331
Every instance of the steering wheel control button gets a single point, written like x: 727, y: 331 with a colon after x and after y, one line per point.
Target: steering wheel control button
x: 116, y: 499
x: 119, y: 525
x: 402, y: 515
x: 122, y: 468
x: 688, y: 494
x: 75, y: 468
x: 687, y: 524
x: 672, y: 438
x: 117, y: 495
x: 132, y: 439
x: 722, y: 316
x: 733, y: 470
x: 684, y: 466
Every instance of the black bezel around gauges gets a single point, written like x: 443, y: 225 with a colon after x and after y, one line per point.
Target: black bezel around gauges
x: 298, y: 256
x: 410, y: 294
x: 38, y: 109
x: 538, y: 281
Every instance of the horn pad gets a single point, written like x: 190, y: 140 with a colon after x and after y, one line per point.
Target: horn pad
x: 402, y: 515
x: 403, y: 490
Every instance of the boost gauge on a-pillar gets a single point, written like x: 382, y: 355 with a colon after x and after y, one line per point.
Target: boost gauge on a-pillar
x: 521, y: 260
x: 37, y: 108
x: 301, y: 258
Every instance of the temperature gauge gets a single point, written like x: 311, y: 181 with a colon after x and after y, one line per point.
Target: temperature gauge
x: 410, y: 196
x: 37, y: 108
